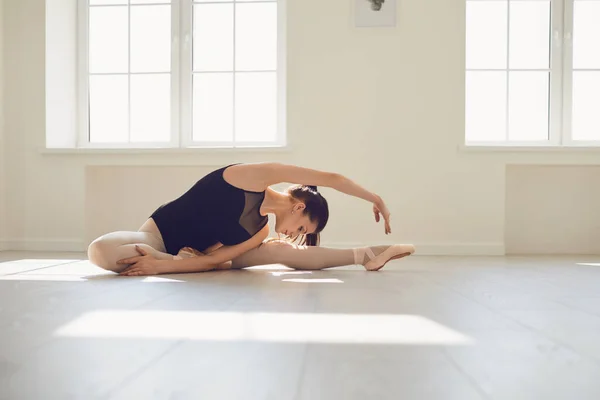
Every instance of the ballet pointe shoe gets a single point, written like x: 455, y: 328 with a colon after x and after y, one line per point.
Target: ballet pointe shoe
x: 375, y: 263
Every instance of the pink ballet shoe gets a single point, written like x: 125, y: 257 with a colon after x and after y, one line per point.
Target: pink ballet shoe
x: 375, y: 263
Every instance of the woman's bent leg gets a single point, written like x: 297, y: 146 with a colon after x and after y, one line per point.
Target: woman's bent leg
x: 112, y: 247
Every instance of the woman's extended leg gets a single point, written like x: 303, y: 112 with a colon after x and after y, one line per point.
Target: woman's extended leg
x: 314, y: 258
x: 112, y: 247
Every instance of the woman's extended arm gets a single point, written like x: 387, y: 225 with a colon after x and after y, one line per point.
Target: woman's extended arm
x: 275, y: 173
x: 259, y: 176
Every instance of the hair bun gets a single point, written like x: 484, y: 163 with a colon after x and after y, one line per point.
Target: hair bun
x: 313, y: 188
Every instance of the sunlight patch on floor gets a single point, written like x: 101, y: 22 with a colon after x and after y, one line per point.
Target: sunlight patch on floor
x: 269, y: 267
x: 76, y: 278
x: 39, y: 262
x: 590, y: 264
x: 291, y: 273
x: 45, y: 278
x: 263, y: 327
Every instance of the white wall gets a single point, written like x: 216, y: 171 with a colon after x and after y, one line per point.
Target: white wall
x: 2, y: 146
x: 387, y: 102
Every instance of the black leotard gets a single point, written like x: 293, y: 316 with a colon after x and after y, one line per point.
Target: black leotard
x: 210, y: 212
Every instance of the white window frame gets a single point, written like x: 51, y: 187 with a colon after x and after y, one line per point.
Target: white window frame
x: 181, y: 81
x: 561, y: 83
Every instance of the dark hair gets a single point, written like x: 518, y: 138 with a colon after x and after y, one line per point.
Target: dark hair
x: 316, y: 209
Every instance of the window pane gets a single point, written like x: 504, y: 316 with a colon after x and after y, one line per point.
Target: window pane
x: 528, y: 106
x: 486, y: 34
x: 151, y: 108
x: 586, y: 105
x: 486, y: 106
x: 256, y: 107
x: 213, y: 37
x: 213, y: 107
x: 108, y: 109
x: 530, y: 34
x: 151, y: 39
x: 256, y: 36
x: 586, y: 35
x: 108, y: 39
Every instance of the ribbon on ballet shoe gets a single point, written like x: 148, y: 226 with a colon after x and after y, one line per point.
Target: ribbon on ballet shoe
x: 359, y: 255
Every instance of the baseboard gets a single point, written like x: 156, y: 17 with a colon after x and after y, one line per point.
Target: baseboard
x: 50, y: 245
x: 461, y: 249
x: 440, y: 249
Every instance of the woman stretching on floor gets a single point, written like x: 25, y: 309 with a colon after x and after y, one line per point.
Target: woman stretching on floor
x: 221, y: 223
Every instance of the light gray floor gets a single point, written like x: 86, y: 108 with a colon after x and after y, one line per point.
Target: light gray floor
x: 423, y: 328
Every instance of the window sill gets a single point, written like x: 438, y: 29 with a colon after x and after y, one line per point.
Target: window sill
x: 163, y: 151
x: 470, y: 148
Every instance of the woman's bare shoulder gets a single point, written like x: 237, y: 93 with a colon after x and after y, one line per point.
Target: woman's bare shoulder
x: 252, y: 177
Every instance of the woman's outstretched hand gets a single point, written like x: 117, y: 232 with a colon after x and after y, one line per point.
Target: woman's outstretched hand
x: 144, y: 264
x: 380, y: 209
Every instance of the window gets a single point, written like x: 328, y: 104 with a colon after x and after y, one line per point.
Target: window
x: 181, y: 73
x: 533, y: 72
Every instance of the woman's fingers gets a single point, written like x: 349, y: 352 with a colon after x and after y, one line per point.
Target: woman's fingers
x: 131, y: 260
x: 126, y: 270
x: 141, y: 251
x: 376, y: 213
x: 129, y: 270
x: 135, y: 259
x: 383, y: 210
x: 388, y: 227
